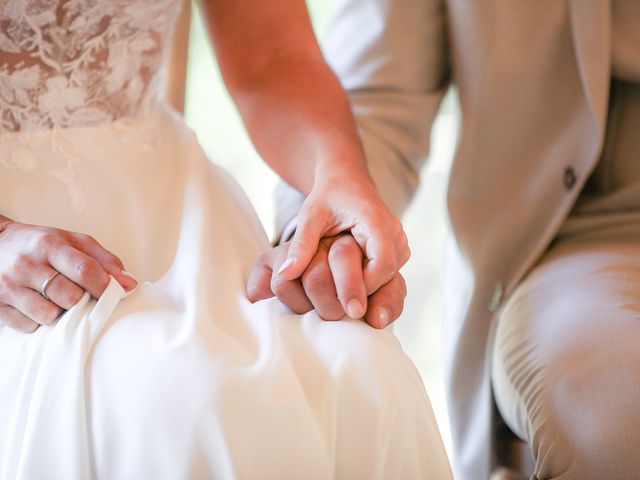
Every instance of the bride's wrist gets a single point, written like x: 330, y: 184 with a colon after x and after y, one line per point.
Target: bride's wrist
x: 342, y: 168
x: 352, y: 176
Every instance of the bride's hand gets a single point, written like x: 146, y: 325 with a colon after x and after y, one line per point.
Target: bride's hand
x: 340, y: 204
x: 29, y: 255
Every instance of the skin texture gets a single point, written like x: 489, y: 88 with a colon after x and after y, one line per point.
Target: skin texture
x: 333, y: 278
x: 32, y: 253
x: 301, y: 123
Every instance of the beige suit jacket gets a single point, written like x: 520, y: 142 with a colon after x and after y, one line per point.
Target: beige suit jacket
x: 533, y: 79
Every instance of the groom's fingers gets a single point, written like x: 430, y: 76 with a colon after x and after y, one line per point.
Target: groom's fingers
x: 345, y: 261
x: 386, y: 305
x: 259, y: 283
x: 319, y: 284
x: 291, y: 293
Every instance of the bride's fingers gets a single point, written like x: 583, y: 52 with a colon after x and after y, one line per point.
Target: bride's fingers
x: 303, y: 245
x: 80, y: 268
x: 16, y: 320
x: 62, y: 291
x: 110, y: 262
x: 34, y: 306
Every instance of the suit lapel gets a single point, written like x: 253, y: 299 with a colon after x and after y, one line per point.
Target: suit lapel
x: 591, y: 29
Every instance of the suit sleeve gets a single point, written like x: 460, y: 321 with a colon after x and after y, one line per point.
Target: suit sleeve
x: 391, y: 57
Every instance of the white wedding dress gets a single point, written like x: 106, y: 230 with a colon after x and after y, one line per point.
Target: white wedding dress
x: 183, y: 378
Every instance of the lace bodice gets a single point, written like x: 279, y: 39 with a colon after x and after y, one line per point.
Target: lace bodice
x: 80, y: 62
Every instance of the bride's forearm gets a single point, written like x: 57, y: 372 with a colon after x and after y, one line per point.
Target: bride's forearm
x: 300, y: 121
x: 292, y: 104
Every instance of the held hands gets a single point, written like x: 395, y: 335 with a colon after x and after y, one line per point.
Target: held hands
x: 344, y: 257
x: 341, y: 204
x: 331, y: 282
x: 44, y: 271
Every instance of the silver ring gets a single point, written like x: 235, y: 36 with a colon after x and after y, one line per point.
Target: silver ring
x: 45, y: 284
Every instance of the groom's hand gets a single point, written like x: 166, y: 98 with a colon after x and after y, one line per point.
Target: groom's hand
x: 333, y: 284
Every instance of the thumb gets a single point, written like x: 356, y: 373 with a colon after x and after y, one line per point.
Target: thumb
x: 302, y: 248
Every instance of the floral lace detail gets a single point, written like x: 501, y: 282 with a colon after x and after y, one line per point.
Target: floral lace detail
x: 80, y: 62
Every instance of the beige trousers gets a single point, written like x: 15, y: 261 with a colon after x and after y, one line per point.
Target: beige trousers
x: 566, y: 371
x: 566, y: 358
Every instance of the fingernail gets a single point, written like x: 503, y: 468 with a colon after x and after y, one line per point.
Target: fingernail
x: 354, y: 308
x: 132, y: 283
x: 288, y: 262
x: 128, y: 274
x: 383, y: 317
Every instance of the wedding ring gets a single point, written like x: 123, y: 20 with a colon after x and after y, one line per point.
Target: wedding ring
x: 45, y: 284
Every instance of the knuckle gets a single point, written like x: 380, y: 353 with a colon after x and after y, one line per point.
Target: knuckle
x: 22, y: 324
x: 22, y: 262
x: 113, y: 260
x: 72, y: 296
x: 267, y: 259
x: 47, y: 313
x: 301, y: 309
x: 46, y: 241
x: 331, y: 312
x: 387, y: 266
x: 28, y: 327
x: 279, y: 287
x: 81, y: 237
x: 327, y: 242
x: 317, y: 277
x: 263, y: 260
x: 88, y: 239
x: 340, y: 250
x: 87, y: 270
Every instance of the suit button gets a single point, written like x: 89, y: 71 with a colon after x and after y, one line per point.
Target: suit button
x: 569, y: 178
x: 496, y: 298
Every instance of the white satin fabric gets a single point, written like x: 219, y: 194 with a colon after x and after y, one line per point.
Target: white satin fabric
x: 184, y: 378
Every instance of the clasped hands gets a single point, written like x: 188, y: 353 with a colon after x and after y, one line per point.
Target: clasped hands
x: 343, y: 259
